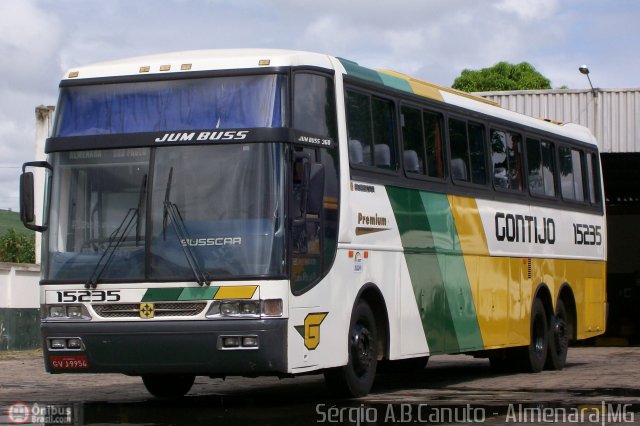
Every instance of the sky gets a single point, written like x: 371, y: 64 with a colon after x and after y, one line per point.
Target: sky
x: 433, y: 40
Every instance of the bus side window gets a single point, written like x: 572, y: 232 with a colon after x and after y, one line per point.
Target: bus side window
x: 476, y: 151
x: 506, y: 156
x: 541, y: 169
x: 413, y: 142
x: 422, y: 142
x: 314, y: 105
x: 371, y: 124
x: 359, y: 128
x: 593, y: 178
x: 383, y: 134
x: 459, y: 150
x: 548, y: 169
x: 571, y: 183
x: 433, y: 136
x: 467, y: 152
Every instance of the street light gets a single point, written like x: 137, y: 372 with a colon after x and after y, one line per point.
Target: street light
x: 585, y: 70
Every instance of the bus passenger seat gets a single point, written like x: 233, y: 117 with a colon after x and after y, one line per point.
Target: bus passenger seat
x: 411, y: 161
x: 459, y: 169
x: 355, y: 152
x: 383, y: 156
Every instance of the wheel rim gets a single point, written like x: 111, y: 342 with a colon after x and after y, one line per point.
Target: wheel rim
x: 361, y: 349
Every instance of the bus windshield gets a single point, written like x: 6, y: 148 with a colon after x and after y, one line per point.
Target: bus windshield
x: 161, y: 209
x: 168, y: 105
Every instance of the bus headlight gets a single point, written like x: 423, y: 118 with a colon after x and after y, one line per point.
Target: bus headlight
x: 65, y: 312
x: 228, y: 309
x: 57, y: 312
x: 245, y: 308
x: 250, y: 308
x: 74, y: 311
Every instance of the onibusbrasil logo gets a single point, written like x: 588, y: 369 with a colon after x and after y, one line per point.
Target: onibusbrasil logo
x: 40, y: 413
x: 19, y: 413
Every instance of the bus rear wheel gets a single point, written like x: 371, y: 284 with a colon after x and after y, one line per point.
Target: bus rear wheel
x: 533, y: 357
x: 356, y: 378
x: 559, y: 334
x: 168, y: 385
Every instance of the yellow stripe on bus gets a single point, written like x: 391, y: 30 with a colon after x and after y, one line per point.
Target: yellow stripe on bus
x: 236, y: 292
x: 421, y: 88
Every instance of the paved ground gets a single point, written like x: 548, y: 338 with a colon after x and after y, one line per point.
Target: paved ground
x: 595, y: 381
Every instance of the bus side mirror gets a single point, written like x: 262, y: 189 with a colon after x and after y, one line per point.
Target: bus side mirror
x: 28, y: 194
x: 27, y: 213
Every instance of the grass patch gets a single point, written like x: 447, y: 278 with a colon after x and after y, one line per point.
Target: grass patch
x: 10, y: 220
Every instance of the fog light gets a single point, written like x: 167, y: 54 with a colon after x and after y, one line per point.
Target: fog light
x: 74, y: 343
x: 230, y: 342
x: 74, y: 311
x: 272, y: 307
x: 57, y: 344
x: 250, y: 341
x: 57, y: 312
x: 229, y: 308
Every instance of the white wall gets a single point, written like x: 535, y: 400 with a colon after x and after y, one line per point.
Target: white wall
x: 19, y: 285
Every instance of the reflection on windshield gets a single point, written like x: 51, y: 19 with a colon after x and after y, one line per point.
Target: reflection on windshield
x: 93, y: 192
x: 229, y: 199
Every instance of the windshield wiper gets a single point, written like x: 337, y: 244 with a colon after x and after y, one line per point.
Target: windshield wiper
x: 172, y: 212
x: 118, y: 236
x: 115, y: 239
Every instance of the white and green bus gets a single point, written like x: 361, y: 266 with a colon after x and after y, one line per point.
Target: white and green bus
x: 271, y: 212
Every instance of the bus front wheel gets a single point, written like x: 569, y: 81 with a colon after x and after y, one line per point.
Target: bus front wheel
x: 168, y: 385
x: 356, y: 378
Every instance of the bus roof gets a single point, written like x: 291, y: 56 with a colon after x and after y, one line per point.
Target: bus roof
x: 227, y: 59
x: 201, y: 60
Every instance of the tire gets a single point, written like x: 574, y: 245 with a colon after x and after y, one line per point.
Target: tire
x: 532, y: 358
x: 560, y: 332
x: 168, y: 385
x: 356, y: 378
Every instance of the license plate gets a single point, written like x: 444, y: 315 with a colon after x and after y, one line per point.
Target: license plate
x: 69, y: 362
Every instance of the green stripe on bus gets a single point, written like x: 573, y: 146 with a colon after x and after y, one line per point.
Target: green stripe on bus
x: 424, y: 269
x: 355, y: 70
x: 457, y: 288
x: 162, y: 294
x: 198, y: 293
x: 395, y: 82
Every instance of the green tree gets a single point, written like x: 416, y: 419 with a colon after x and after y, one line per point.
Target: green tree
x: 502, y: 76
x: 17, y: 248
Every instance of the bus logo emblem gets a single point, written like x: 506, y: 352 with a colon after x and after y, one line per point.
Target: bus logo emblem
x: 310, y: 331
x: 147, y: 310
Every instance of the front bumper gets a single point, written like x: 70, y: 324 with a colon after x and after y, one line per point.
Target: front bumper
x: 164, y: 347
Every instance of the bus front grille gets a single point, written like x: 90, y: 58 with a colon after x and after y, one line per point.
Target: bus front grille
x: 160, y: 309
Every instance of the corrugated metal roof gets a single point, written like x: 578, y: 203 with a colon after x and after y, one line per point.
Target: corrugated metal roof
x: 612, y: 115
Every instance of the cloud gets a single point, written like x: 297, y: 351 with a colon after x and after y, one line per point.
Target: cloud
x: 529, y: 9
x: 29, y: 42
x: 429, y: 39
